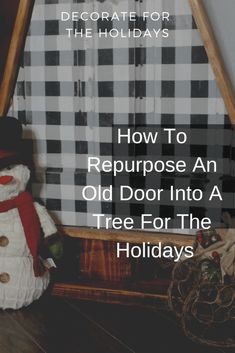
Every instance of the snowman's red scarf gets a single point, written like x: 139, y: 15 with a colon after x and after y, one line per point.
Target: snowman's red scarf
x: 31, y: 225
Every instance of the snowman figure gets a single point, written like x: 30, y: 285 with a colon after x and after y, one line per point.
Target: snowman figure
x: 23, y: 278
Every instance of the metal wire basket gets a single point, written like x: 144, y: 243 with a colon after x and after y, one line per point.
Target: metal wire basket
x: 206, y: 309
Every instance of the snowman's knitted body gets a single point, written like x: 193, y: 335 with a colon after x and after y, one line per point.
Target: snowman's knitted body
x: 18, y: 284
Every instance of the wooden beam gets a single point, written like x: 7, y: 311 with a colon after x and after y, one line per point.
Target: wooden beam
x: 110, y: 295
x: 14, y: 54
x: 135, y: 237
x: 215, y: 58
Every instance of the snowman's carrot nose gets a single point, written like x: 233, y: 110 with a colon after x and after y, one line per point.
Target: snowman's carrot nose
x: 6, y: 179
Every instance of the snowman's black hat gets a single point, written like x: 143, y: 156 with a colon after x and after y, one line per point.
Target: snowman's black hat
x: 10, y: 142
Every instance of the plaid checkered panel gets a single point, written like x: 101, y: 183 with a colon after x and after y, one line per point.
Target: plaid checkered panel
x: 70, y: 92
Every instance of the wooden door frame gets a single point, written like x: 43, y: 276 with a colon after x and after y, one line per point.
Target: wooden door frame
x: 6, y: 92
x: 15, y: 51
x: 225, y: 85
x: 215, y: 57
x: 139, y: 298
x: 221, y: 74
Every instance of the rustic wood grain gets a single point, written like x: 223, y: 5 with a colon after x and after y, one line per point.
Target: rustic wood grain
x: 214, y: 54
x: 109, y: 295
x: 135, y: 237
x: 96, y: 273
x: 97, y: 259
x: 13, y: 338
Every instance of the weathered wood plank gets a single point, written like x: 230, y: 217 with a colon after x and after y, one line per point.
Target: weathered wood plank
x: 109, y: 295
x: 214, y: 54
x: 135, y: 237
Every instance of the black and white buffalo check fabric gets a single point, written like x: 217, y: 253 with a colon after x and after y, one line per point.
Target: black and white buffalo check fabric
x: 70, y: 92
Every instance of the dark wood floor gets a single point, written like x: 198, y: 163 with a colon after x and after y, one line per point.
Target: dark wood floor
x: 55, y: 325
